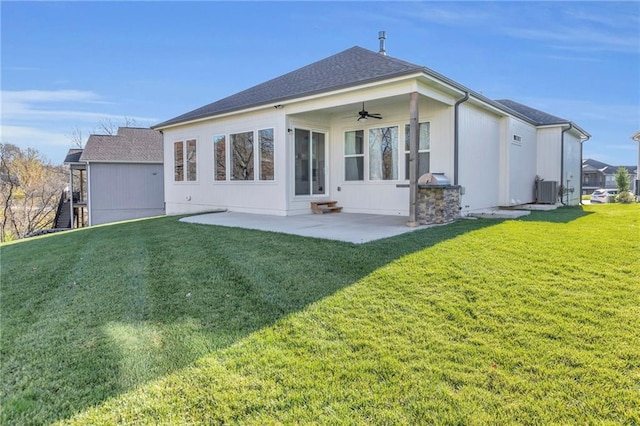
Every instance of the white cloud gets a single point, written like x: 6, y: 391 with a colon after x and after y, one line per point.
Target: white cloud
x: 583, y: 110
x: 584, y: 39
x: 608, y: 17
x: 575, y: 26
x: 42, y: 105
x: 572, y: 58
x: 45, y: 119
x: 39, y: 96
x: 450, y: 13
x: 25, y: 136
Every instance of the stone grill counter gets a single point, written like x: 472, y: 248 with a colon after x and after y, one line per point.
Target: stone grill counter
x: 437, y: 204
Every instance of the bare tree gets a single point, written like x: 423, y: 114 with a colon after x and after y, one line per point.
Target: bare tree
x: 9, y: 182
x: 30, y: 191
x: 76, y: 137
x: 107, y: 126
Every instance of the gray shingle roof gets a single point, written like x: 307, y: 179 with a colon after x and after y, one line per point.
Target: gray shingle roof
x: 351, y: 67
x: 73, y: 156
x: 541, y: 118
x: 129, y: 145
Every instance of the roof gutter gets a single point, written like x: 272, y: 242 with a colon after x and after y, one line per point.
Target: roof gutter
x: 562, y: 162
x: 582, y: 141
x: 456, y: 136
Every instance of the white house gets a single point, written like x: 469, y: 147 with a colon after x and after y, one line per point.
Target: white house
x: 340, y: 129
x: 115, y: 177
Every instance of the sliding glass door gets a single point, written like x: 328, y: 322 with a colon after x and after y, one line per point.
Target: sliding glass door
x: 309, y: 158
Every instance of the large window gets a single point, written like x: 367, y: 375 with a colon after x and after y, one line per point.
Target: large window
x: 185, y: 156
x: 265, y: 144
x: 354, y: 155
x: 247, y: 161
x: 192, y: 163
x: 220, y: 157
x: 241, y: 156
x: 423, y: 149
x: 178, y: 161
x: 383, y: 153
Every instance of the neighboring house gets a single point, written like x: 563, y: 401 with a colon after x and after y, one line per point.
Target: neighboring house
x: 596, y: 174
x: 339, y: 129
x: 116, y: 177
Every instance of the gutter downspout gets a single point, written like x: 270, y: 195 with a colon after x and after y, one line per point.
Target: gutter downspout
x: 562, y: 162
x: 456, y: 136
x: 582, y: 141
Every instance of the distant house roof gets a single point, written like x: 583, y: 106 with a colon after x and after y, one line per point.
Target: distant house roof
x: 73, y: 156
x: 130, y: 145
x: 351, y: 67
x: 604, y: 168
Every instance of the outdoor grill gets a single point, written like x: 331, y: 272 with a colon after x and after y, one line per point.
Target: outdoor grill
x: 434, y: 179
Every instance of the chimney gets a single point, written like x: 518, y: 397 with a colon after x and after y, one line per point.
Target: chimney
x: 382, y: 37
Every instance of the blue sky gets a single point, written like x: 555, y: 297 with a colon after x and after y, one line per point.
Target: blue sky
x: 69, y: 65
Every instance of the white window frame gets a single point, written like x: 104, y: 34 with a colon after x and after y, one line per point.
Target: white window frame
x: 258, y: 165
x: 363, y: 155
x: 215, y: 158
x: 396, y: 150
x: 253, y: 144
x: 256, y: 154
x: 420, y: 151
x: 184, y: 142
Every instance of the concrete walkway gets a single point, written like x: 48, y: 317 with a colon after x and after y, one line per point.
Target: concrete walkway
x: 348, y: 227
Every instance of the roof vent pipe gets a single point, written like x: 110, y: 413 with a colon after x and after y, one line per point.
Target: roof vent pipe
x: 382, y: 37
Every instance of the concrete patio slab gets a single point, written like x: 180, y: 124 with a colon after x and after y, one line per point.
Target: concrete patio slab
x: 499, y: 214
x: 348, y: 227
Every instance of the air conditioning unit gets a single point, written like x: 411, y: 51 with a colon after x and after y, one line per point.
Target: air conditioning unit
x: 546, y: 191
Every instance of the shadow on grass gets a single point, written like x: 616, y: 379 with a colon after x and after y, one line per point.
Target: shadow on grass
x: 560, y: 215
x: 93, y: 314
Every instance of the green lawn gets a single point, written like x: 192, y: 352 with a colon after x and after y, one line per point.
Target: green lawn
x: 534, y: 321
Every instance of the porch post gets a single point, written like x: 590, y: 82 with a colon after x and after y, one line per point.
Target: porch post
x: 70, y: 196
x: 413, y: 158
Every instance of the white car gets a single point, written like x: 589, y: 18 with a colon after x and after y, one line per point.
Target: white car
x: 602, y: 195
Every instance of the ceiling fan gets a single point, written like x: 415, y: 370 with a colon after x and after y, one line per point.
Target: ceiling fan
x: 364, y: 115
